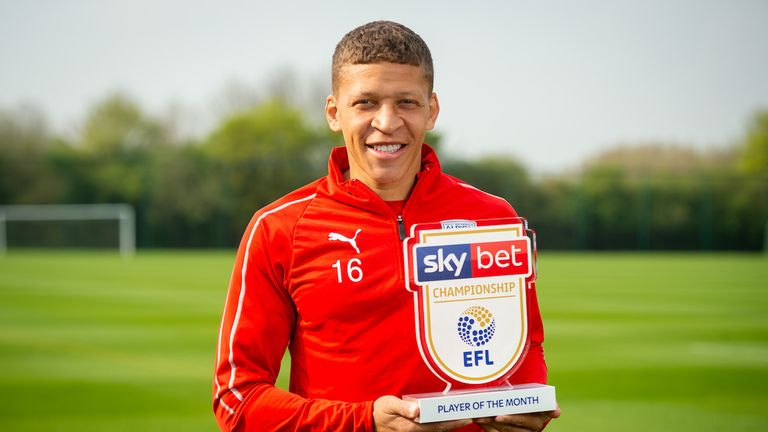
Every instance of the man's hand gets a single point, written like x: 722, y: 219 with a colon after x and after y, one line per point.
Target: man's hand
x: 394, y: 414
x: 533, y: 422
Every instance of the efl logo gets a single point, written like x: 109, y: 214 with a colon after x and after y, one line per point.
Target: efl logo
x: 471, y: 260
x: 476, y: 326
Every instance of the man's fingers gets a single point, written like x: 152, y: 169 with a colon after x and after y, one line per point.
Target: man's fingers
x: 393, y: 413
x: 397, y: 406
x: 533, y: 422
x: 554, y: 414
x: 489, y: 428
x: 446, y: 426
x: 517, y: 422
x: 409, y: 409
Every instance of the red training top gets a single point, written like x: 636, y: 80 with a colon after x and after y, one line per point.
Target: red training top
x: 320, y: 271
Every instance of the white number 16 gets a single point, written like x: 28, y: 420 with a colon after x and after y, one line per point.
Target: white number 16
x: 354, y: 272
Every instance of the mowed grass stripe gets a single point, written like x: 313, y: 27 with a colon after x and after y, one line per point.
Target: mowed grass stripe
x: 639, y: 342
x: 635, y: 342
x: 92, y: 339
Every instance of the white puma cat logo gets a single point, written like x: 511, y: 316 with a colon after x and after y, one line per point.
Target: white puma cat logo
x: 352, y: 241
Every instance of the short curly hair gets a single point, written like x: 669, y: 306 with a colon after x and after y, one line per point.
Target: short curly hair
x: 382, y: 41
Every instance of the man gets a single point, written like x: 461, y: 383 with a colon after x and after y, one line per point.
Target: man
x: 320, y: 271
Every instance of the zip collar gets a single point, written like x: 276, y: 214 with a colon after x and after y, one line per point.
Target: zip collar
x: 356, y: 193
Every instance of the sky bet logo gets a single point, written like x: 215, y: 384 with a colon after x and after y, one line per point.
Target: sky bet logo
x: 471, y: 260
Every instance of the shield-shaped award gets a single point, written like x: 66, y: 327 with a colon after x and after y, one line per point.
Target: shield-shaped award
x: 469, y: 280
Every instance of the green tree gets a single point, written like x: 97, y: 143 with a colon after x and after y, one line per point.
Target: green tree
x: 263, y: 153
x: 183, y: 201
x: 498, y: 175
x: 609, y: 204
x: 25, y: 177
x: 755, y: 153
x: 556, y: 211
x: 115, y: 147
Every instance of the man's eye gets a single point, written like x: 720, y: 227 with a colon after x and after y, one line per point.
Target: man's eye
x: 363, y: 102
x: 409, y: 102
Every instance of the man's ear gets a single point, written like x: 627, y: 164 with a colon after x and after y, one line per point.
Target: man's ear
x: 332, y: 113
x: 434, y: 110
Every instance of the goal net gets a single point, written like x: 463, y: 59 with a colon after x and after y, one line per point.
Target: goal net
x: 68, y: 226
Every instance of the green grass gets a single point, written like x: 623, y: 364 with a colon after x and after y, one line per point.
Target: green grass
x: 657, y: 342
x: 635, y: 342
x: 93, y: 342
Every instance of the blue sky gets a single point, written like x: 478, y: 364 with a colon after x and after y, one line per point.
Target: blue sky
x: 549, y: 82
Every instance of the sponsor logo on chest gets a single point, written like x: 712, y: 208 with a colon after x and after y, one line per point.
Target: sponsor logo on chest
x: 471, y: 260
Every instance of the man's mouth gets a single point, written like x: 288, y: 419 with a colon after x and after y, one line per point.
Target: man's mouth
x: 386, y: 148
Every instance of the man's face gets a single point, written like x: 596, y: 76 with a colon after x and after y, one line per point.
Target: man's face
x: 383, y: 110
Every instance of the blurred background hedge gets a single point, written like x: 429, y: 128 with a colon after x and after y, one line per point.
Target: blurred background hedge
x: 200, y: 192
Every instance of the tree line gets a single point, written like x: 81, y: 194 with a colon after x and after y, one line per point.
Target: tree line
x: 201, y: 192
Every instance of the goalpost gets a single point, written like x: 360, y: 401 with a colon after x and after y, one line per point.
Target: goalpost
x: 123, y: 213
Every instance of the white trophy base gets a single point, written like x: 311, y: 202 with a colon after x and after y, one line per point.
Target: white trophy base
x: 486, y: 402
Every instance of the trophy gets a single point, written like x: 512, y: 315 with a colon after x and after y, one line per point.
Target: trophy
x: 469, y: 281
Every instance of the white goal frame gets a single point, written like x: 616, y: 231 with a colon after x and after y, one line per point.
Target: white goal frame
x: 123, y: 213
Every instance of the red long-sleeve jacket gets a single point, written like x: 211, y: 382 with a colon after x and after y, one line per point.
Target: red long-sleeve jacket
x: 320, y: 271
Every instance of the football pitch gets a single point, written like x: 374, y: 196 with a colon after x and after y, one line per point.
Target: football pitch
x: 635, y: 342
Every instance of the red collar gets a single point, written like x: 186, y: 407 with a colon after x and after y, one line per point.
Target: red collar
x: 356, y: 193
x: 338, y: 163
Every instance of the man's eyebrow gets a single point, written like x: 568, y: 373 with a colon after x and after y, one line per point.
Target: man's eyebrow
x: 373, y: 95
x: 407, y: 94
x: 365, y: 95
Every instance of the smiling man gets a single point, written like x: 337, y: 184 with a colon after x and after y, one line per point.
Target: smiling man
x: 320, y: 271
x: 383, y: 110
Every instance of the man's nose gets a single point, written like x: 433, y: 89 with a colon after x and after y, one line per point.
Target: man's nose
x: 387, y: 119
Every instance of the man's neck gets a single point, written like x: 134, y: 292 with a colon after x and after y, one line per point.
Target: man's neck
x: 398, y: 193
x: 388, y: 192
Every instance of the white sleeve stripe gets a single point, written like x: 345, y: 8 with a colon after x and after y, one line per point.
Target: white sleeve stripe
x: 218, y: 350
x: 468, y: 186
x: 226, y: 407
x: 237, y: 394
x: 236, y: 321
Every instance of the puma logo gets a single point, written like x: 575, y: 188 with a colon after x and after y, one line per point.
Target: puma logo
x: 352, y: 241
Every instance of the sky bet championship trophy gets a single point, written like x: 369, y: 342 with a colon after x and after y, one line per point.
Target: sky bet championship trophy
x: 469, y: 280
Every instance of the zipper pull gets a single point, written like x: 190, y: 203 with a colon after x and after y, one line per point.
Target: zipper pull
x: 401, y: 227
